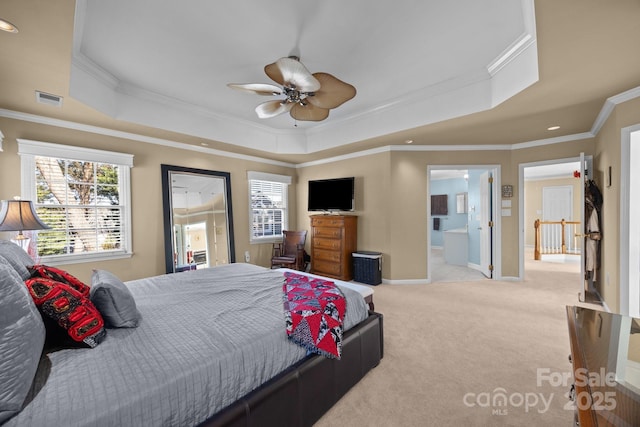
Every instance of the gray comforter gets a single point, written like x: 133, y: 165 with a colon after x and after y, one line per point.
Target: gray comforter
x: 207, y: 337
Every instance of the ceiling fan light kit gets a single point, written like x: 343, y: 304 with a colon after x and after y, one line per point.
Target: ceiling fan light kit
x: 308, y: 97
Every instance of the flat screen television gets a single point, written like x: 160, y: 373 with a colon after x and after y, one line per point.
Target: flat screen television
x: 331, y: 194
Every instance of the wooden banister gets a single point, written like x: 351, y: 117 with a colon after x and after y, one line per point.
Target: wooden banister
x: 536, y: 252
x: 540, y: 248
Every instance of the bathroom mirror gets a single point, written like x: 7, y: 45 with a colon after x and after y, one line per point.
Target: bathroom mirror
x: 198, y: 218
x: 461, y: 203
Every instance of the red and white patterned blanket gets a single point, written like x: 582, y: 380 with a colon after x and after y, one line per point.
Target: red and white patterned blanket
x: 314, y: 311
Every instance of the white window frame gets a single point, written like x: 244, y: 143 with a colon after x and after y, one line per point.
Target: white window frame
x: 28, y: 150
x: 271, y: 177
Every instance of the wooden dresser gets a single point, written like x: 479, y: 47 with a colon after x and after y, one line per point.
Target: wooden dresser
x: 604, y: 355
x: 333, y: 240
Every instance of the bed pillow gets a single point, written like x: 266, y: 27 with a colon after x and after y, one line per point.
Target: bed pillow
x: 69, y: 309
x: 22, y: 336
x: 17, y: 257
x: 59, y: 275
x: 114, y: 300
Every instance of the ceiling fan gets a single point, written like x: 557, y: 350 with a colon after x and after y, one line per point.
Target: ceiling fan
x: 308, y: 97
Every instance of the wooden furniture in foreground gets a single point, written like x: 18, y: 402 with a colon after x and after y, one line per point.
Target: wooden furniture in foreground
x: 290, y: 252
x: 333, y: 240
x: 604, y: 351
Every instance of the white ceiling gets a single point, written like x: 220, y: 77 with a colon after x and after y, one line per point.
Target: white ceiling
x: 412, y: 62
x: 580, y: 54
x: 191, y: 190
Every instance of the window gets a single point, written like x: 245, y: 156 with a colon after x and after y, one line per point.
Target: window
x: 83, y: 195
x: 269, y: 208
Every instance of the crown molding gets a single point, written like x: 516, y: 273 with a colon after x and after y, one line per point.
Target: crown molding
x: 132, y: 136
x: 554, y: 140
x: 610, y: 104
x: 434, y: 148
x: 605, y: 112
x: 514, y: 69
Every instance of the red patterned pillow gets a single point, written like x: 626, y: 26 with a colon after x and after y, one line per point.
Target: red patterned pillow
x: 69, y: 309
x: 59, y: 275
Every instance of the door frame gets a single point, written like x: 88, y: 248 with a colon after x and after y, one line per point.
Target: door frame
x: 486, y: 210
x: 496, y: 249
x: 521, y: 197
x: 629, y: 296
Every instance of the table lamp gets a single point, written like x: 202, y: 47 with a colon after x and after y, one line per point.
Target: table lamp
x: 19, y: 215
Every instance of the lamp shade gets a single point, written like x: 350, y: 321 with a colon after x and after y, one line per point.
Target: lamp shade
x: 18, y: 215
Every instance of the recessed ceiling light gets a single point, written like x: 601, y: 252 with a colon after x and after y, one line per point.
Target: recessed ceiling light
x: 409, y: 141
x: 553, y: 127
x: 8, y: 26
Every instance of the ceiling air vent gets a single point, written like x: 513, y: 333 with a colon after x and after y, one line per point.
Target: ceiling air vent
x: 49, y: 99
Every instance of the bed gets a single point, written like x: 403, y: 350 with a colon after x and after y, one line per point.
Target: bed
x: 210, y: 349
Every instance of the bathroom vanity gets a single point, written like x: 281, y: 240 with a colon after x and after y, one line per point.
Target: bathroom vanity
x: 456, y: 246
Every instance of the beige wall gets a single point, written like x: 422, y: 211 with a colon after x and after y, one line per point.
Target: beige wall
x: 146, y: 192
x: 372, y: 176
x: 391, y: 200
x: 391, y: 189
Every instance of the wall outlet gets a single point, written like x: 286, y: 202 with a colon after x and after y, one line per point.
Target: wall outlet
x: 247, y: 256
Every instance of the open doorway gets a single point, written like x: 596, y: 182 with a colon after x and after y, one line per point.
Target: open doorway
x: 551, y: 218
x: 460, y: 222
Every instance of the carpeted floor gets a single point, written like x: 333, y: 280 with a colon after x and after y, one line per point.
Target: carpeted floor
x: 453, y: 349
x: 443, y: 272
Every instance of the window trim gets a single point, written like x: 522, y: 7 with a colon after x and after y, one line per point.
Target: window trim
x: 28, y: 149
x: 265, y: 176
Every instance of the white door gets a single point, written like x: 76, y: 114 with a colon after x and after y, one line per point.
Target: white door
x: 486, y: 224
x: 557, y: 204
x: 585, y: 170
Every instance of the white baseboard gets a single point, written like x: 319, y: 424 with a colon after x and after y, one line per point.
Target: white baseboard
x: 474, y: 266
x: 508, y: 279
x: 406, y: 282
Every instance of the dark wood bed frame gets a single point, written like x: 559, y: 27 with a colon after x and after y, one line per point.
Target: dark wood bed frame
x: 304, y: 392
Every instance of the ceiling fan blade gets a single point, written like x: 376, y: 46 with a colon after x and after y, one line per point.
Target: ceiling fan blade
x: 257, y: 88
x: 273, y: 71
x: 333, y: 92
x: 291, y: 73
x: 272, y: 108
x: 309, y: 113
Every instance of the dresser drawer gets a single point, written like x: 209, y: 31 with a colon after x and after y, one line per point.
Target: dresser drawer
x: 324, y: 243
x: 333, y: 240
x: 330, y: 232
x: 326, y: 255
x: 327, y: 268
x: 327, y: 221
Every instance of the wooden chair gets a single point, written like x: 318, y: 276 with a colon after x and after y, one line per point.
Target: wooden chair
x: 290, y: 253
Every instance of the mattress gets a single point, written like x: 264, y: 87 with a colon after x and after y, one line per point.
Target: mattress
x: 207, y: 337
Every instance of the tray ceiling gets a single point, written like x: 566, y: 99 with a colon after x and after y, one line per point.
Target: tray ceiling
x: 412, y: 63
